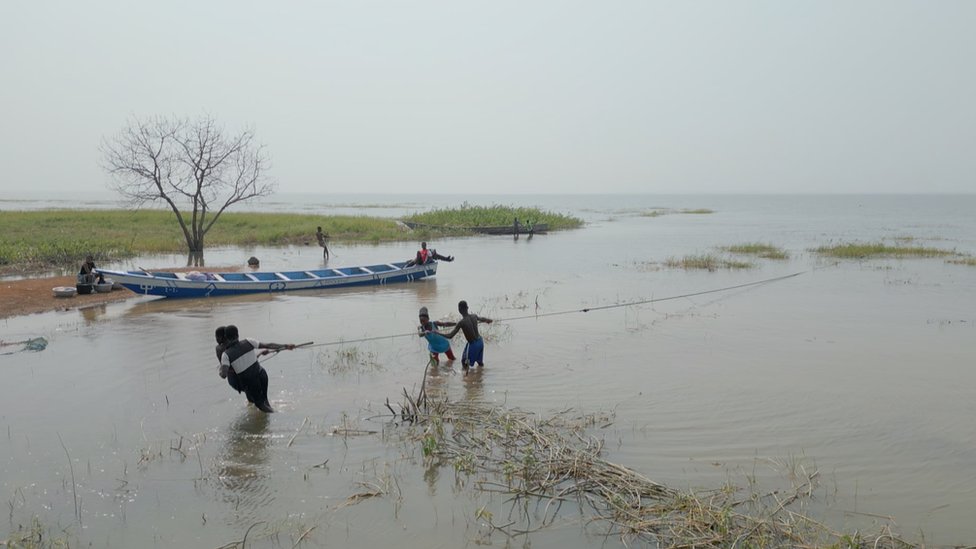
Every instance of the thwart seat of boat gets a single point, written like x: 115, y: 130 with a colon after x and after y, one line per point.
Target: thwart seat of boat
x: 270, y: 276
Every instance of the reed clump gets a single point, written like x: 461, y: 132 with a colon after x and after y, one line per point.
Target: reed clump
x: 541, y: 463
x: 709, y: 262
x: 467, y: 215
x: 35, y: 536
x: 864, y: 250
x: 969, y: 261
x: 758, y: 249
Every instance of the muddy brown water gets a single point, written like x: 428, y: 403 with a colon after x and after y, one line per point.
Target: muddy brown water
x: 863, y: 370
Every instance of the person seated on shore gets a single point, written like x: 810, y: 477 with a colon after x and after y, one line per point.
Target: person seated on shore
x: 87, y: 274
x: 425, y: 255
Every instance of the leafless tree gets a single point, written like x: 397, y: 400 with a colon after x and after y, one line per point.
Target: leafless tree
x: 191, y: 165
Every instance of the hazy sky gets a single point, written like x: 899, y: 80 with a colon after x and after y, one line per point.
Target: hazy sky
x: 509, y: 97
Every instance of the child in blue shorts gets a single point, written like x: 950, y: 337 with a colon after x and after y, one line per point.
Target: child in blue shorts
x: 436, y: 343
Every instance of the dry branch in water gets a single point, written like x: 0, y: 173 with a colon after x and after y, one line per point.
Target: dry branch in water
x: 551, y: 461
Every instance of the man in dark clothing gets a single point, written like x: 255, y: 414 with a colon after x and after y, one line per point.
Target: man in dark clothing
x: 241, y: 357
x: 87, y: 274
x: 474, y: 349
x: 221, y: 336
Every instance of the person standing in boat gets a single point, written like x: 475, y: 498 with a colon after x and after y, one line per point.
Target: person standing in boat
x: 321, y: 238
x: 474, y: 349
x: 436, y: 343
x: 425, y: 256
x: 241, y: 356
x: 87, y: 274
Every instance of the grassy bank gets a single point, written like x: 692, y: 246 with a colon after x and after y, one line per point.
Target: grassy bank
x: 480, y: 216
x: 61, y: 239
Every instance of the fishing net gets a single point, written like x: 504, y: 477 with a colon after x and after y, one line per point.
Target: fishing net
x: 34, y: 344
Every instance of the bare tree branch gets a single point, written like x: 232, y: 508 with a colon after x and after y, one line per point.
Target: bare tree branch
x: 190, y: 165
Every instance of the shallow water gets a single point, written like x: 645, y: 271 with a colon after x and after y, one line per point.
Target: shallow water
x: 863, y: 370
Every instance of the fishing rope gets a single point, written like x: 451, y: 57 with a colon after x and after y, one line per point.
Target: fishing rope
x: 571, y: 311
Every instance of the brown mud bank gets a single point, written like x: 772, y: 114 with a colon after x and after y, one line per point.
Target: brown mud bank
x: 35, y: 295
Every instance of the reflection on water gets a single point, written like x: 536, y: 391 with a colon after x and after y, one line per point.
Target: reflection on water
x: 243, y: 467
x: 474, y: 389
x: 93, y: 312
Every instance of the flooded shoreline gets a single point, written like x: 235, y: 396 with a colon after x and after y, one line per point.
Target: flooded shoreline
x: 858, y: 369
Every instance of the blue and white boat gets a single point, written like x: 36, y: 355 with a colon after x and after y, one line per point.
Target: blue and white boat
x: 208, y: 284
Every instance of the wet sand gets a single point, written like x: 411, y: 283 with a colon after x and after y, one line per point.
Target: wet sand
x: 35, y: 295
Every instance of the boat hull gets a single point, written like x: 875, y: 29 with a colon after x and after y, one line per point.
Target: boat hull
x: 177, y: 285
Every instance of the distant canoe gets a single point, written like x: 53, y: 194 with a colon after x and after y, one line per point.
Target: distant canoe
x: 538, y: 228
x: 169, y: 284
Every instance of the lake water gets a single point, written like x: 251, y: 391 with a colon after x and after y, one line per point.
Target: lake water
x: 863, y: 370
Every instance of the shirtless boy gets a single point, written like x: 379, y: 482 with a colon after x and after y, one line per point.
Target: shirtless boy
x: 474, y: 349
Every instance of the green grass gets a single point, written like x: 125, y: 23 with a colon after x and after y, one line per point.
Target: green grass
x: 478, y: 216
x: 758, y: 249
x: 857, y: 250
x: 706, y: 261
x: 62, y: 238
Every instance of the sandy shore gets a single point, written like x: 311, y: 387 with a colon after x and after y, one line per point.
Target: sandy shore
x: 36, y: 295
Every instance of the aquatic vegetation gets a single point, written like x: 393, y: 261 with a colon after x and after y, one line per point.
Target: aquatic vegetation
x: 35, y: 536
x: 538, y: 463
x: 858, y: 250
x: 759, y: 249
x: 656, y: 212
x: 706, y: 261
x: 969, y: 261
x: 350, y: 359
x: 467, y: 215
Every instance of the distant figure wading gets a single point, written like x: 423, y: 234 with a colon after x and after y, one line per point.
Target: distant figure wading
x: 321, y: 238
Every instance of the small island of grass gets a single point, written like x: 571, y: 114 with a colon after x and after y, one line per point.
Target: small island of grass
x: 859, y: 250
x: 758, y: 249
x: 459, y: 220
x: 708, y: 262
